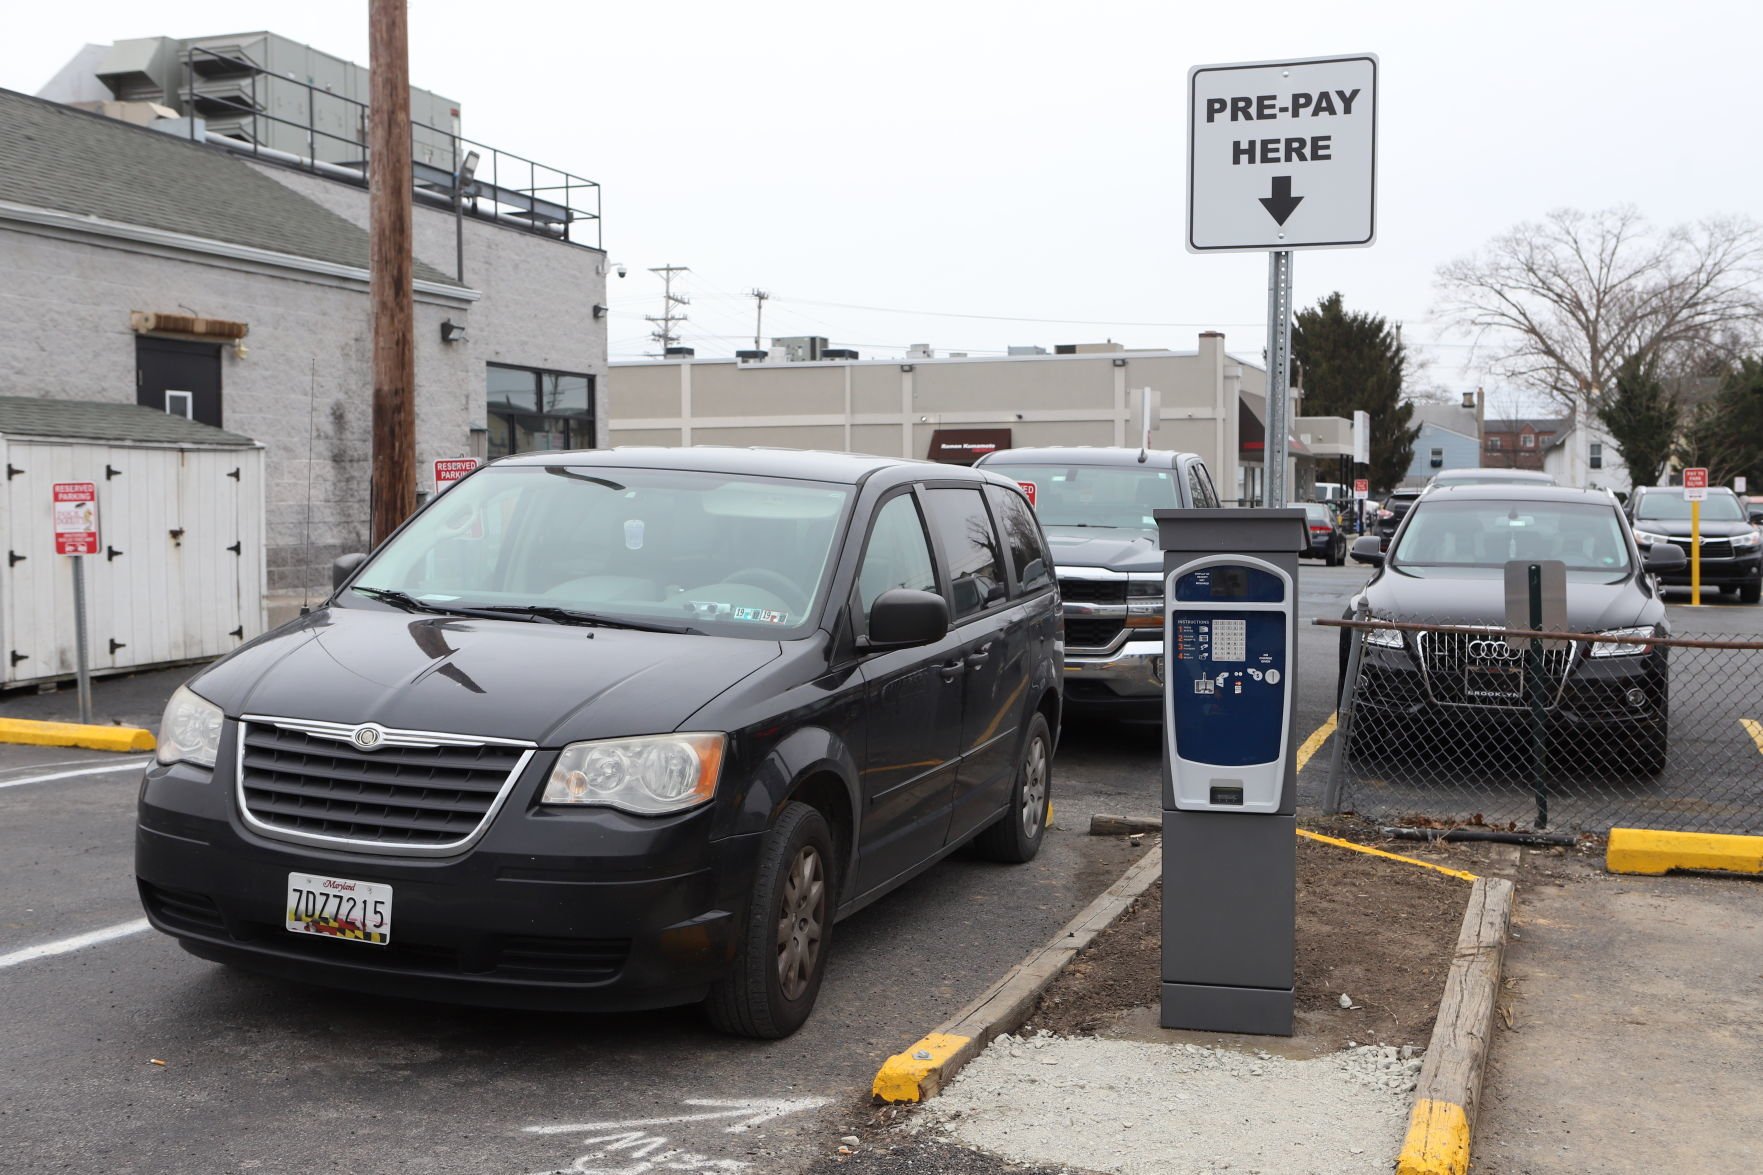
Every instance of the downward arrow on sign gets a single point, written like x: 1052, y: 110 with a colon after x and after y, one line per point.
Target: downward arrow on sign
x: 1282, y: 203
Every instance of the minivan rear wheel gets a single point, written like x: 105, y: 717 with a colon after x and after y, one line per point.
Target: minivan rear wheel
x: 772, y: 986
x: 1016, y: 837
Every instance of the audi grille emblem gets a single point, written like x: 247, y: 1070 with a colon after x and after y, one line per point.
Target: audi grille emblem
x: 366, y: 737
x: 1491, y: 650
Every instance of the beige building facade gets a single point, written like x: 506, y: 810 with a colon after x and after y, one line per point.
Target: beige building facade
x: 952, y: 408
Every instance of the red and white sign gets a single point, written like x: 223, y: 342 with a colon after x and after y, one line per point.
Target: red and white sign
x: 76, y: 517
x: 450, y: 469
x: 1695, y: 484
x: 1361, y: 488
x: 1028, y: 487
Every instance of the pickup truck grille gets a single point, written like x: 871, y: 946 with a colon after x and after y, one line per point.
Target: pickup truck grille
x: 1092, y: 634
x: 1093, y: 591
x: 412, y: 793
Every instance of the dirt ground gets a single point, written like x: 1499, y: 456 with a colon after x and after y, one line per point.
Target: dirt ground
x: 1377, y: 930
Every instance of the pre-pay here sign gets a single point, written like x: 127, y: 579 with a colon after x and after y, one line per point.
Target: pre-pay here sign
x: 1283, y: 155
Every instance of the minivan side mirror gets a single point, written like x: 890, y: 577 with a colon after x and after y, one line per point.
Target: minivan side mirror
x: 343, y: 566
x: 1664, y: 557
x: 902, y: 618
x: 1367, y: 548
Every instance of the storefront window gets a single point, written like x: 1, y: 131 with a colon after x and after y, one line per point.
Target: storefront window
x: 532, y: 410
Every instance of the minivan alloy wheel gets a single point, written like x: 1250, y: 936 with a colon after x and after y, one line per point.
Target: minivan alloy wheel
x: 1034, y: 788
x: 800, y: 922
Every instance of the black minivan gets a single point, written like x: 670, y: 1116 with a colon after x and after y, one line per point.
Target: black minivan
x: 618, y: 729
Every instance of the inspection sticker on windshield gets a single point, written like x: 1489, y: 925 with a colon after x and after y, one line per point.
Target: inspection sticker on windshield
x: 358, y: 911
x: 761, y: 615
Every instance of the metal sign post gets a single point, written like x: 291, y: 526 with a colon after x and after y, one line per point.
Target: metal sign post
x: 1695, y: 492
x: 74, y: 514
x: 1282, y: 155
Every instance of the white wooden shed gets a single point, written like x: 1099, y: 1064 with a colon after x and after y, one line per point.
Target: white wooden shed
x: 180, y: 573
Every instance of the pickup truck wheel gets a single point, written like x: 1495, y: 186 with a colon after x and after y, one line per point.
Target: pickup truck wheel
x: 771, y: 988
x: 1016, y: 837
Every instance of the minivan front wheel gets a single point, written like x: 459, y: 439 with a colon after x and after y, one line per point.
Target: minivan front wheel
x: 771, y: 988
x: 1016, y: 837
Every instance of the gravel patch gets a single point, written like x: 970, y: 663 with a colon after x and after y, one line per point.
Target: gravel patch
x: 1174, y: 1109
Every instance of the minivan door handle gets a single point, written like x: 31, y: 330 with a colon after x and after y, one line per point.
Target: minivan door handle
x: 951, y: 669
x: 978, y: 657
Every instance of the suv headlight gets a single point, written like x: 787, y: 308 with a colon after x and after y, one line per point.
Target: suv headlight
x: 190, y: 730
x: 1383, y: 638
x: 1744, y: 542
x: 649, y: 776
x: 1599, y: 649
x: 1647, y: 538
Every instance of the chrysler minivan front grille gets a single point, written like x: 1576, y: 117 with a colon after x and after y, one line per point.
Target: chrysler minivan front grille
x: 403, y: 792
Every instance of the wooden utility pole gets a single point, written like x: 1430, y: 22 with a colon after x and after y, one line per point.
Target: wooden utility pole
x: 393, y: 494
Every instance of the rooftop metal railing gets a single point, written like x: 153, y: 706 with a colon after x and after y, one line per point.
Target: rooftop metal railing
x: 505, y: 188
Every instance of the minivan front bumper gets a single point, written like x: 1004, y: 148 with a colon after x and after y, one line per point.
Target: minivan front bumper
x: 576, y: 910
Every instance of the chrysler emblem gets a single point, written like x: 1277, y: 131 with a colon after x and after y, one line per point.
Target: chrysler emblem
x: 366, y: 737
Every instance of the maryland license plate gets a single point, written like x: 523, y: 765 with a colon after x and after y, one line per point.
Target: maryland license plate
x: 357, y: 911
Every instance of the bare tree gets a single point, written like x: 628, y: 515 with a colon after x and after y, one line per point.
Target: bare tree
x: 1569, y: 299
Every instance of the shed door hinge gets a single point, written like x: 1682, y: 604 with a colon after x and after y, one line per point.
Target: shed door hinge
x: 18, y: 656
x: 110, y: 554
x: 238, y: 632
x: 115, y: 645
x: 238, y: 548
x: 111, y: 471
x: 13, y: 558
x: 12, y: 471
x: 234, y: 474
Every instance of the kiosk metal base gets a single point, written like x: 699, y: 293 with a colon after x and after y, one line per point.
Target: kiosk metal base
x: 1255, y: 1010
x: 1228, y: 910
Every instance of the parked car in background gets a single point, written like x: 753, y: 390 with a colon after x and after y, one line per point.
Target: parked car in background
x: 1732, y: 546
x: 1490, y: 477
x: 617, y: 729
x: 1328, y: 541
x: 1389, y: 517
x: 1096, y: 506
x: 1447, y: 567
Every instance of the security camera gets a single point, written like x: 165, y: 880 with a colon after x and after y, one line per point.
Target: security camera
x: 621, y: 271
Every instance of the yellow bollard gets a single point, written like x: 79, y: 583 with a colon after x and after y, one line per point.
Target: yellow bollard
x: 1695, y: 553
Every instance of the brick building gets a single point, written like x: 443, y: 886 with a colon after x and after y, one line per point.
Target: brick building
x: 1520, y: 442
x: 176, y: 272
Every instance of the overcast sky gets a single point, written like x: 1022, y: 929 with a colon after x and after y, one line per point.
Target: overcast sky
x: 1013, y: 173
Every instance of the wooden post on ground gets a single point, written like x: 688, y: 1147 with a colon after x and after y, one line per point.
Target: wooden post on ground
x: 393, y: 493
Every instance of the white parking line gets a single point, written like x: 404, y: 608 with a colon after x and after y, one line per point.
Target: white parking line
x: 78, y: 941
x: 130, y: 765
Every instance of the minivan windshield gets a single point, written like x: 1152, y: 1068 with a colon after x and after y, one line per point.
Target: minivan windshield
x: 1445, y: 538
x: 1671, y: 507
x: 1113, y: 496
x: 677, y: 550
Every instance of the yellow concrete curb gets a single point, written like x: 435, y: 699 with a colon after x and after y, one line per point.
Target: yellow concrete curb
x: 1651, y: 853
x: 902, y: 1076
x: 1359, y: 848
x: 1437, y: 1142
x: 74, y: 734
x: 925, y: 1067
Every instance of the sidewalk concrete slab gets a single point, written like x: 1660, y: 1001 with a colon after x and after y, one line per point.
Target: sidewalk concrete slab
x: 1636, y: 1011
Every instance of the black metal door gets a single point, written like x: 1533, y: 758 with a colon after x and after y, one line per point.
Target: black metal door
x: 178, y: 377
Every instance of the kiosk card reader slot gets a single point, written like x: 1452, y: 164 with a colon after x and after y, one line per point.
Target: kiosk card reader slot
x: 1228, y: 641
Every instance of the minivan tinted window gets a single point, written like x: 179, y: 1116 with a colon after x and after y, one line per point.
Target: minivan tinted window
x: 898, y: 554
x: 976, y: 563
x: 1022, y: 537
x: 729, y: 554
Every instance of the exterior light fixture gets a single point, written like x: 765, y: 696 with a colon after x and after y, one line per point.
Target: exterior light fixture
x: 452, y: 332
x: 599, y: 310
x: 1120, y: 363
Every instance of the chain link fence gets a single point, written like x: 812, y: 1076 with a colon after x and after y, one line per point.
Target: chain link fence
x: 1568, y: 732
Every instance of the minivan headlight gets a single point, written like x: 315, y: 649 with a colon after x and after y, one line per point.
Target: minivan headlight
x: 650, y: 776
x: 1600, y: 649
x: 190, y: 730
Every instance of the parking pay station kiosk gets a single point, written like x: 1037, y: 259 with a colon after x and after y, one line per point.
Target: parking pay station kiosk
x: 1229, y: 788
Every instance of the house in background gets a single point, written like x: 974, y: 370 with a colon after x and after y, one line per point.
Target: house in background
x: 1519, y: 442
x: 1588, y: 457
x: 1448, y: 438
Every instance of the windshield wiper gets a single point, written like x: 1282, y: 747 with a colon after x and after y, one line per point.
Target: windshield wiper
x: 559, y: 615
x: 396, y: 598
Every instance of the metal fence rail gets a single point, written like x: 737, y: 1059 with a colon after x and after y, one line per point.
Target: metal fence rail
x: 1547, y: 730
